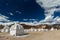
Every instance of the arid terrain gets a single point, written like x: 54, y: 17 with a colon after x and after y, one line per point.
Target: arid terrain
x: 49, y: 35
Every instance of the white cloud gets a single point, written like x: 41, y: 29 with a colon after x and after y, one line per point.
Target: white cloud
x: 11, y: 13
x: 30, y: 19
x: 35, y: 22
x: 33, y: 19
x: 48, y: 3
x: 50, y: 8
x: 3, y: 18
x: 25, y: 19
x: 29, y: 23
x: 18, y: 12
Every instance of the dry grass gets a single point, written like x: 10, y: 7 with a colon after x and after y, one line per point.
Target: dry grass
x: 50, y: 35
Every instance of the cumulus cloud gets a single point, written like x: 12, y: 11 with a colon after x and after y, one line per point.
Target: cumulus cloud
x: 48, y: 3
x: 3, y: 18
x: 50, y: 7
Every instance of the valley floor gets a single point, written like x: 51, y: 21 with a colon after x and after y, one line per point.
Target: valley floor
x: 49, y: 35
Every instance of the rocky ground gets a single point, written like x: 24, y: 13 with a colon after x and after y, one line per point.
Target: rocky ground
x: 49, y: 35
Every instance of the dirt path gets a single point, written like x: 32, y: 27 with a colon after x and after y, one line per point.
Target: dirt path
x: 50, y: 35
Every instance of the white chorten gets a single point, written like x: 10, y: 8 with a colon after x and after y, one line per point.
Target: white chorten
x: 16, y: 30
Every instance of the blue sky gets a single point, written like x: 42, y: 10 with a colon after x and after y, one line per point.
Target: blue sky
x: 29, y: 10
x: 23, y: 10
